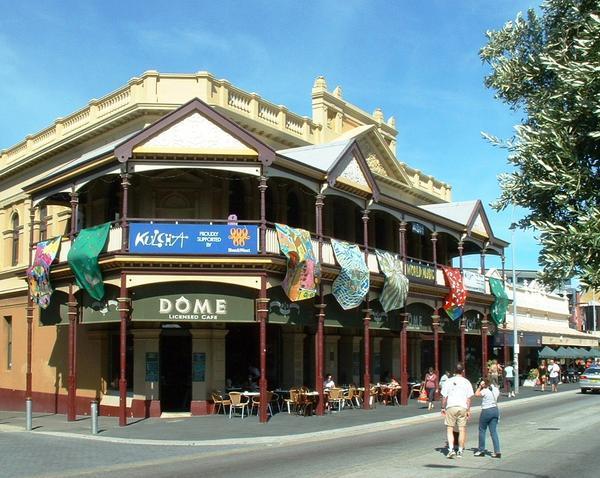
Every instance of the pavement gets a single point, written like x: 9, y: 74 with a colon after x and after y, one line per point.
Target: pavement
x: 218, y: 430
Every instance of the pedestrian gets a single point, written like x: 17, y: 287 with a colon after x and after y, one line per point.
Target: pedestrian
x: 509, y: 376
x: 431, y: 387
x: 542, y: 374
x: 554, y: 374
x: 489, y: 416
x: 328, y: 383
x: 456, y: 408
x: 494, y: 372
x: 443, y: 379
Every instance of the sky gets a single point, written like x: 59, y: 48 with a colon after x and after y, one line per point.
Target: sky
x: 417, y: 61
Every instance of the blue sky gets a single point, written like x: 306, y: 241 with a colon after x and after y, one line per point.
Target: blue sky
x: 418, y: 61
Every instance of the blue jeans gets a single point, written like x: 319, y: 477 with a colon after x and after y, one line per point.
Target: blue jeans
x: 489, y: 418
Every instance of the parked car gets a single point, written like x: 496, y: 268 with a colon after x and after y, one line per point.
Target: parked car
x: 590, y: 379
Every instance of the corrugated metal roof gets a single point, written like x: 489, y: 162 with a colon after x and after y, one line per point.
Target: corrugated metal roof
x: 322, y: 156
x: 456, y: 211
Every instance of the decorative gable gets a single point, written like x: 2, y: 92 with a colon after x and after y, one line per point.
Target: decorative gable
x: 195, y: 134
x: 354, y: 174
x: 479, y: 226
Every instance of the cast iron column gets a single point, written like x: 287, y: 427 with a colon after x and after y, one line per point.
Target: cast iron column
x: 124, y: 211
x: 402, y: 240
x: 404, y: 392
x: 28, y: 383
x: 72, y: 305
x: 460, y: 254
x: 124, y: 313
x: 484, y: 344
x: 435, y: 319
x: 262, y: 187
x: 434, y: 240
x: 319, y: 336
x: 482, y: 260
x: 366, y: 319
x: 462, y: 340
x: 262, y: 310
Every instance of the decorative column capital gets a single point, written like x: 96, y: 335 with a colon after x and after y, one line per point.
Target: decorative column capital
x: 262, y: 185
x: 365, y: 215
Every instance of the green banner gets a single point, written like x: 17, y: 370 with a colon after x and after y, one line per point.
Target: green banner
x: 283, y: 311
x: 500, y: 305
x: 419, y: 319
x: 395, y: 288
x: 83, y: 259
x: 97, y: 311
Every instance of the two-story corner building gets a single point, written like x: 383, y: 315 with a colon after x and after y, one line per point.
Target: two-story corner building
x: 192, y: 174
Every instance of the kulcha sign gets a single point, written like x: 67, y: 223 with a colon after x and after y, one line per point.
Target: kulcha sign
x: 205, y: 239
x: 185, y: 302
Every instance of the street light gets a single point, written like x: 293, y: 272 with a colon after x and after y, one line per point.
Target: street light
x: 514, y: 304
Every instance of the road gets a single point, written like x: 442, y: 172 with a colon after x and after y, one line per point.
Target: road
x: 545, y: 438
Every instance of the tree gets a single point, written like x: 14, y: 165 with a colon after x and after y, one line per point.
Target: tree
x: 547, y: 66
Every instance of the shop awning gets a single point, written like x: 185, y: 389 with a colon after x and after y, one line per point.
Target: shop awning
x: 547, y: 352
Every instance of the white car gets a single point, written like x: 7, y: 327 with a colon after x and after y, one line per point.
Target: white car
x: 590, y: 379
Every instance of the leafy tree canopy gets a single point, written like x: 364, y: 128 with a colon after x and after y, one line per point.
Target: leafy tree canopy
x: 547, y: 66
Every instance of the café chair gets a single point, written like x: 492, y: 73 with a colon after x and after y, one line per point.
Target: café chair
x: 256, y: 403
x: 220, y: 403
x: 237, y: 401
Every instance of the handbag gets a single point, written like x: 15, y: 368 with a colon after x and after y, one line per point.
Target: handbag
x: 423, y: 397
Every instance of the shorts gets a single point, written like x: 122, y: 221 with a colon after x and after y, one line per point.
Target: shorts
x: 553, y: 380
x: 456, y: 416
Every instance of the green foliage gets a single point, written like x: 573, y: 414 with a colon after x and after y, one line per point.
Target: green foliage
x: 548, y: 67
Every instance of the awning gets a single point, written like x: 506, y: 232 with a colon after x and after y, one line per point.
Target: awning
x: 547, y: 352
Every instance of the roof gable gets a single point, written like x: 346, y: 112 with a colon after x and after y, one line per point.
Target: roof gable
x: 470, y: 214
x: 195, y: 128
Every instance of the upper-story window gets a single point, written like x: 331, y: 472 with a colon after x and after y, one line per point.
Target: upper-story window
x: 294, y: 213
x: 43, y: 223
x: 237, y: 198
x: 15, y: 239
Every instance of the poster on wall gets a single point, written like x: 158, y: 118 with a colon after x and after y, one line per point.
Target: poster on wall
x: 206, y: 239
x: 198, y: 366
x: 152, y: 367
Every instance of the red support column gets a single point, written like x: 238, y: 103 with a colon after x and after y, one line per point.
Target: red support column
x: 319, y: 362
x: 124, y: 210
x: 367, y: 347
x: 404, y: 392
x: 462, y: 340
x: 72, y: 312
x: 28, y: 376
x: 124, y: 313
x: 262, y: 187
x: 262, y: 311
x: 484, y: 345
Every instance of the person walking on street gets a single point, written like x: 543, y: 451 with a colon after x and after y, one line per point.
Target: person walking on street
x: 431, y: 387
x: 542, y: 375
x: 554, y: 374
x: 494, y: 372
x: 456, y: 408
x: 489, y: 416
x: 509, y: 376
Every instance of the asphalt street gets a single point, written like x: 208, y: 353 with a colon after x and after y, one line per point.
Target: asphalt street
x: 552, y: 437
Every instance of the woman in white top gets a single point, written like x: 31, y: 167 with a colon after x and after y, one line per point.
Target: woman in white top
x: 328, y: 383
x: 489, y: 416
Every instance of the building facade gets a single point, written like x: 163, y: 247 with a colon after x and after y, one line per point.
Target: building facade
x: 196, y: 184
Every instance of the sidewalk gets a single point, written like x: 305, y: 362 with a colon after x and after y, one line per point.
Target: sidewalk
x: 220, y: 430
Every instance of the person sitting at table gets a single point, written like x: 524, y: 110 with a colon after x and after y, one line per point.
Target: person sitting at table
x: 328, y: 383
x: 252, y: 385
x: 394, y: 382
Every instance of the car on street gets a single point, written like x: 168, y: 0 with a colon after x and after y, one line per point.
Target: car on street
x: 590, y: 379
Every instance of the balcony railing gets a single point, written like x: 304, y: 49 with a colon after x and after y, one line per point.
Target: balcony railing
x: 115, y: 240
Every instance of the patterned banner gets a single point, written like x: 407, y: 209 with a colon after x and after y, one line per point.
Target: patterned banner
x: 395, y: 287
x: 455, y: 301
x: 498, y: 309
x: 38, y: 275
x: 303, y: 270
x: 83, y: 259
x: 351, y: 286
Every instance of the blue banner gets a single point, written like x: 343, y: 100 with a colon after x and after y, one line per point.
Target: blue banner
x: 219, y: 239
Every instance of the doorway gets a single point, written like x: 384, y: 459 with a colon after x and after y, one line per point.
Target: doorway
x: 175, y: 370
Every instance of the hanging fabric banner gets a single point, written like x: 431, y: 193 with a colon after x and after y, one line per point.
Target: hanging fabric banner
x: 455, y: 301
x: 303, y: 270
x: 83, y: 259
x: 498, y: 309
x: 395, y: 287
x: 38, y: 275
x: 351, y: 286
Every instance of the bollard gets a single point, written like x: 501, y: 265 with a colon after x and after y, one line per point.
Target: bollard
x: 94, y: 415
x: 28, y: 409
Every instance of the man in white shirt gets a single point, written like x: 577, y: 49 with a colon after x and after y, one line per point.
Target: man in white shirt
x: 554, y: 374
x: 456, y: 408
x: 509, y: 375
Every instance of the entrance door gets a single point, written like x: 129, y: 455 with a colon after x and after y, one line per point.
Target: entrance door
x: 175, y: 370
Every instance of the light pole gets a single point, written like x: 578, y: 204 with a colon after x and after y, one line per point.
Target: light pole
x: 514, y: 307
x: 594, y: 308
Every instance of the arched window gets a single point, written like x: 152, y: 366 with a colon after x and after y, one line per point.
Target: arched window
x: 15, y: 239
x: 43, y: 223
x: 294, y: 214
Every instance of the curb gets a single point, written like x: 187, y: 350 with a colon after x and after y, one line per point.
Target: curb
x: 280, y: 439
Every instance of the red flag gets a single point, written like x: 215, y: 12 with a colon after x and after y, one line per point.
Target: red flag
x: 455, y: 301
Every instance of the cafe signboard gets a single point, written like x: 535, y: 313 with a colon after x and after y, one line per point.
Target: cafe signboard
x: 474, y: 281
x: 420, y: 272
